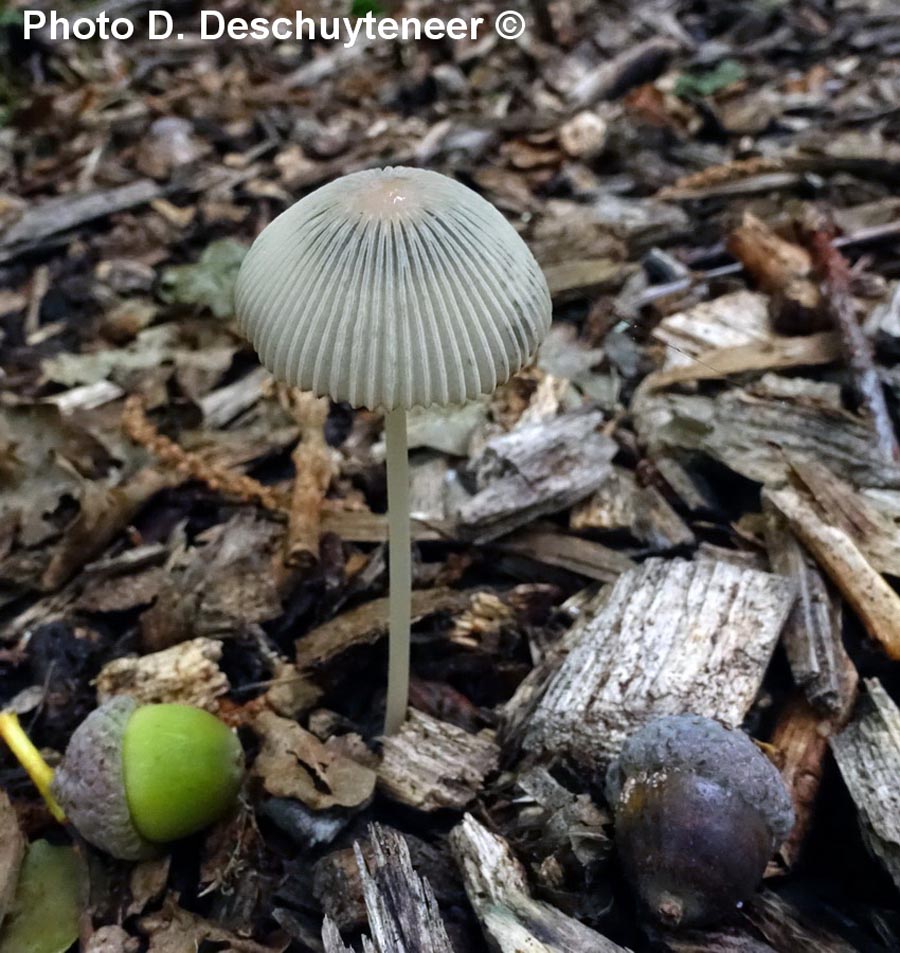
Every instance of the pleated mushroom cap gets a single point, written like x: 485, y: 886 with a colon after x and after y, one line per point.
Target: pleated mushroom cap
x: 392, y: 288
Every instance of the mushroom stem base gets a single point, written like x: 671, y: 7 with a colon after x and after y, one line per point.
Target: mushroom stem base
x: 400, y: 569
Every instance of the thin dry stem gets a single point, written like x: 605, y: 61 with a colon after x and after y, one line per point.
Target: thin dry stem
x: 190, y: 465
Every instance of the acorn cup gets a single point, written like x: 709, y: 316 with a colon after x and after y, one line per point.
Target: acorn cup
x: 137, y: 777
x: 699, y: 811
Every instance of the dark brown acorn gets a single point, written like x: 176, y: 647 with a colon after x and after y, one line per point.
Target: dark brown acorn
x: 699, y: 812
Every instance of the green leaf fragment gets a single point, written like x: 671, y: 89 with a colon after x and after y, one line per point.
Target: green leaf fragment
x: 45, y: 913
x: 709, y: 82
x: 210, y: 282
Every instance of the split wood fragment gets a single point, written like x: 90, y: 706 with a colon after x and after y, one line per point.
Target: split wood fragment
x: 812, y: 636
x: 402, y: 911
x: 512, y: 920
x: 870, y: 596
x: 431, y: 765
x: 868, y: 754
x: 535, y: 470
x: 668, y: 637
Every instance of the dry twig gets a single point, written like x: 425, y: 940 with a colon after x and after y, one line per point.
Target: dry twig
x: 170, y: 454
x: 834, y: 271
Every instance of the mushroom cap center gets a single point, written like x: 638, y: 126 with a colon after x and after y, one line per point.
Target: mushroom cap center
x: 388, y: 196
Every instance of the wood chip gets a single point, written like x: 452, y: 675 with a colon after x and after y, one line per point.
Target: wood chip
x: 784, y: 271
x: 729, y: 321
x: 402, y: 911
x: 788, y: 930
x: 775, y: 354
x: 293, y: 763
x: 800, y: 741
x: 56, y: 215
x: 12, y: 850
x: 536, y: 470
x: 867, y: 592
x: 581, y: 556
x: 868, y: 754
x: 727, y: 940
x: 368, y: 623
x: 756, y: 436
x: 431, y: 765
x: 812, y: 636
x: 874, y: 528
x: 622, y: 504
x: 186, y: 674
x: 498, y: 890
x: 670, y: 637
x: 586, y: 277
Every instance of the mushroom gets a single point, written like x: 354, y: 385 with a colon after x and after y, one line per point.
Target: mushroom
x: 392, y: 289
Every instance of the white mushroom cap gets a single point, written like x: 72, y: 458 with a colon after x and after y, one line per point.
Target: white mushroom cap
x: 393, y: 288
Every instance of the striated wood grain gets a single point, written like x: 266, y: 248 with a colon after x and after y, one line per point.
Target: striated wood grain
x: 401, y: 908
x: 430, y: 764
x: 868, y: 754
x: 670, y: 637
x: 512, y: 920
x: 812, y: 635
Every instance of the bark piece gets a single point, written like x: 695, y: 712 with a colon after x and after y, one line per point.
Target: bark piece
x: 873, y: 600
x: 338, y: 885
x: 784, y: 271
x: 801, y: 743
x: 364, y: 526
x: 586, y: 277
x: 770, y: 355
x: 728, y: 321
x: 874, y: 528
x: 186, y: 674
x: 430, y: 764
x: 622, y: 504
x: 56, y: 215
x: 670, y: 637
x: 402, y: 911
x: 535, y: 470
x: 577, y: 555
x: 812, y: 635
x: 868, y: 754
x: 368, y: 623
x: 834, y: 270
x: 755, y: 436
x: 314, y: 465
x: 638, y: 63
x: 294, y: 763
x: 788, y: 930
x: 498, y: 890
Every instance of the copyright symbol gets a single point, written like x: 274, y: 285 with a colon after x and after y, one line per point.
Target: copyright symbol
x: 510, y: 25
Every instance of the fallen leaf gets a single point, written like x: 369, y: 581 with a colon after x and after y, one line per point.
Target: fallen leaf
x: 294, y: 763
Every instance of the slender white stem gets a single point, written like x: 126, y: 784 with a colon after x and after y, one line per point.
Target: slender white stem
x: 400, y: 569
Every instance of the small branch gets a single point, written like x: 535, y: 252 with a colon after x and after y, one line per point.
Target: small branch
x: 834, y: 271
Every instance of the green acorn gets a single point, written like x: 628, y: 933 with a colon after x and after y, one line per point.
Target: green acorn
x: 137, y: 777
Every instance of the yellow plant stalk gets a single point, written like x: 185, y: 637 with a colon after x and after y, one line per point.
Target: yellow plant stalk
x: 31, y: 760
